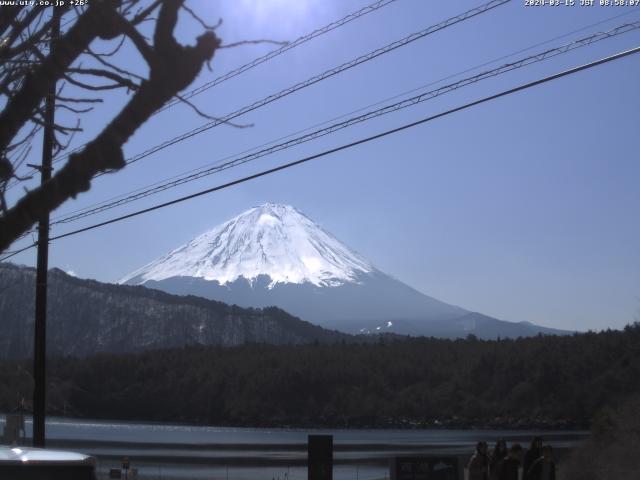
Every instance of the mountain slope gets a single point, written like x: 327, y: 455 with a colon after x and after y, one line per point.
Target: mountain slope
x: 273, y: 240
x: 85, y: 316
x: 275, y: 255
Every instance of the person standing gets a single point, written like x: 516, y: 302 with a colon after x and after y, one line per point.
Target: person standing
x: 511, y: 464
x: 498, y: 456
x: 533, y: 454
x: 478, y: 465
x: 544, y: 468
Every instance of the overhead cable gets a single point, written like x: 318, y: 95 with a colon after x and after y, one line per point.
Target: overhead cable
x: 318, y: 78
x: 386, y: 133
x: 274, y: 53
x: 255, y: 62
x: 361, y: 109
x: 529, y: 60
x: 310, y: 81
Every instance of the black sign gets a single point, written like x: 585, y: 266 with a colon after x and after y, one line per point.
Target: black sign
x: 424, y: 468
x: 320, y: 460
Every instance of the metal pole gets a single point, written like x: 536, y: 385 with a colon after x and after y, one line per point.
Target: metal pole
x: 40, y: 327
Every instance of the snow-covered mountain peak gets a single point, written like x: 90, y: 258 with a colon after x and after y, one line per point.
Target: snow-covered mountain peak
x: 272, y: 239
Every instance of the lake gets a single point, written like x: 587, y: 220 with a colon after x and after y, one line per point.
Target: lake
x: 170, y: 451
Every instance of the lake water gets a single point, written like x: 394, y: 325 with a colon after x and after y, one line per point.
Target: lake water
x: 165, y: 451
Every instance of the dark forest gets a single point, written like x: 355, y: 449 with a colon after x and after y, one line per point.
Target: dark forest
x: 544, y: 381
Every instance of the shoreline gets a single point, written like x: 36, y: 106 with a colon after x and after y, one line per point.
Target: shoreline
x: 403, y: 424
x: 187, y: 452
x: 261, y: 455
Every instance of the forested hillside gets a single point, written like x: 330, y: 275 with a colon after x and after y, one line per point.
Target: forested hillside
x: 85, y: 317
x: 540, y: 381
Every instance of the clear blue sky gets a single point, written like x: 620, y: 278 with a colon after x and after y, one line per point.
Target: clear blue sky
x: 525, y: 208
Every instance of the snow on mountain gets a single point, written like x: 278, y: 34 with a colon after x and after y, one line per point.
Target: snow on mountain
x: 274, y: 240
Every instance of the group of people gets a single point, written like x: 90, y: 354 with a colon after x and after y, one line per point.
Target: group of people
x: 503, y: 463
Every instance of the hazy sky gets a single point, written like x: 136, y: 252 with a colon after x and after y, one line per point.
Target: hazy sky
x: 525, y: 208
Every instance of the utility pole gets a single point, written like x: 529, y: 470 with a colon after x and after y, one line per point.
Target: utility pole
x: 40, y: 327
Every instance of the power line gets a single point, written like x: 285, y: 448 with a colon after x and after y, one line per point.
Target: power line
x: 16, y: 252
x: 317, y: 78
x: 407, y: 126
x: 271, y: 142
x: 503, y: 57
x: 299, y: 41
x: 255, y: 62
x: 301, y: 85
x: 532, y: 59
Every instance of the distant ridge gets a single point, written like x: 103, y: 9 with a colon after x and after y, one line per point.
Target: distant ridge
x: 86, y: 316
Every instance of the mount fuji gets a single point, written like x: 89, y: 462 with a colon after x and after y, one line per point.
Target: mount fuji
x: 275, y: 255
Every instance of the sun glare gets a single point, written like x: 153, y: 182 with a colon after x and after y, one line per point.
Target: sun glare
x: 281, y: 16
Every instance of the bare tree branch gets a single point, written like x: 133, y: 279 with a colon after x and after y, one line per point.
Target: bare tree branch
x: 36, y: 84
x: 31, y: 40
x: 56, y: 127
x: 64, y: 146
x: 143, y: 14
x: 210, y: 117
x: 98, y: 72
x: 7, y: 17
x: 79, y: 100
x: 172, y: 68
x: 138, y: 40
x: 115, y: 50
x: 17, y: 29
x: 72, y: 109
x: 200, y: 20
x: 26, y: 138
x: 108, y: 64
x: 88, y: 86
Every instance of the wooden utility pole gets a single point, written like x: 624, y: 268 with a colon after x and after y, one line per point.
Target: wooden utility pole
x: 40, y: 326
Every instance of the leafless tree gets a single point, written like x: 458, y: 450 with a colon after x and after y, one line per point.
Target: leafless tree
x: 30, y: 68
